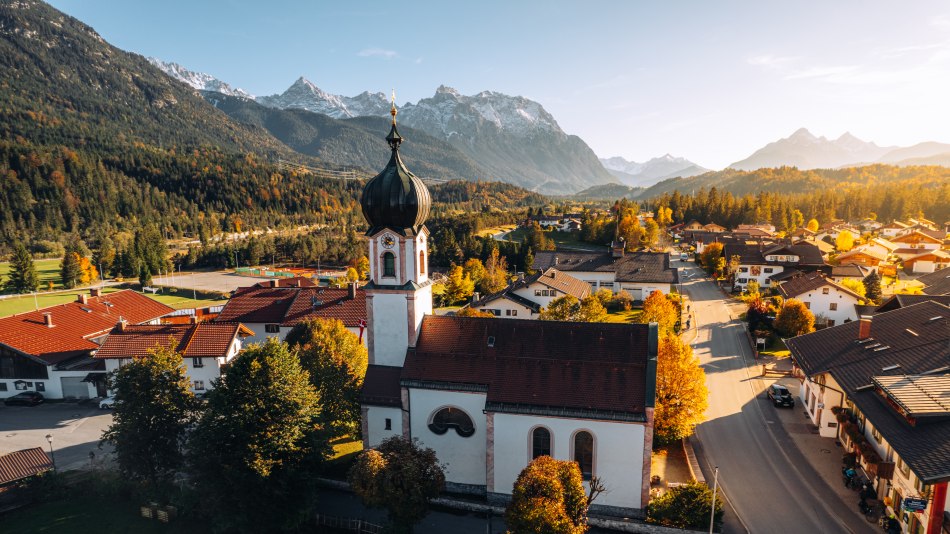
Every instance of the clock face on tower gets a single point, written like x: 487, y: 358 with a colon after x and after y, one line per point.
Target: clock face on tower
x: 388, y: 241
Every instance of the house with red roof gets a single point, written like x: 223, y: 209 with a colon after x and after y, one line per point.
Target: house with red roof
x: 20, y: 466
x: 526, y: 297
x: 205, y: 348
x: 50, y: 350
x: 273, y: 309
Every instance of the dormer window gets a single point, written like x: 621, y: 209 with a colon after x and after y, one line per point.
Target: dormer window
x: 389, y: 264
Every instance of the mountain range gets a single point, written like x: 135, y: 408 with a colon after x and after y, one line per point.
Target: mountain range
x: 509, y: 138
x: 645, y: 174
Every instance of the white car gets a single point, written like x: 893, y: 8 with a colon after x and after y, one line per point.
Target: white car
x: 107, y: 403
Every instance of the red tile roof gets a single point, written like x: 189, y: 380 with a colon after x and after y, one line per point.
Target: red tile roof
x: 288, y: 306
x: 201, y: 340
x: 549, y: 364
x: 75, y: 324
x: 22, y: 464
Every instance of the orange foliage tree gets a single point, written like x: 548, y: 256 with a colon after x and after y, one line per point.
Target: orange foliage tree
x: 681, y: 393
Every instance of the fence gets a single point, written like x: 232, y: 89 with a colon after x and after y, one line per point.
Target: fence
x: 264, y: 272
x: 358, y: 526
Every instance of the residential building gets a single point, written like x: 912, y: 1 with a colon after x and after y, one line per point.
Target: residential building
x: 850, y: 271
x: 865, y: 255
x: 896, y: 302
x: 764, y: 262
x: 830, y: 302
x: 936, y: 283
x: 927, y: 262
x: 525, y: 298
x: 715, y: 228
x: 490, y: 394
x: 637, y: 273
x: 50, y: 350
x: 272, y: 310
x: 919, y: 240
x: 205, y: 348
x: 893, y: 229
x: 888, y: 375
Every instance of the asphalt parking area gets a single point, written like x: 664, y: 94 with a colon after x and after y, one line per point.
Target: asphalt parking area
x: 74, y: 427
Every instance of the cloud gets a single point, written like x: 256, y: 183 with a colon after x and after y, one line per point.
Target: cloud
x: 769, y: 60
x: 941, y: 22
x: 377, y: 52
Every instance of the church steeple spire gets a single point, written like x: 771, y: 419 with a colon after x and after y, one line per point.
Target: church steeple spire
x: 394, y: 139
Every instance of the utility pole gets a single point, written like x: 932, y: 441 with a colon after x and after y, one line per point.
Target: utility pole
x: 712, y: 512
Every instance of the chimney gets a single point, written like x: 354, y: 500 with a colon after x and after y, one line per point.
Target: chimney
x: 122, y: 324
x: 476, y: 296
x: 297, y: 282
x: 48, y: 319
x: 95, y: 292
x: 864, y: 327
x: 353, y: 287
x: 275, y: 283
x: 82, y: 299
x: 555, y: 260
x: 193, y: 319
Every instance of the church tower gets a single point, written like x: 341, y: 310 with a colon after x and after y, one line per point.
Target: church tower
x: 399, y: 293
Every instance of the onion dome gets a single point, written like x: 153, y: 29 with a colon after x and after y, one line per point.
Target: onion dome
x: 395, y: 198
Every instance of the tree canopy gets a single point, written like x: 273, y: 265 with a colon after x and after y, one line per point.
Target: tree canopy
x: 569, y: 308
x: 23, y: 275
x: 794, y: 319
x: 685, y: 507
x: 872, y: 287
x: 657, y: 308
x: 681, y: 393
x: 845, y: 241
x: 548, y: 497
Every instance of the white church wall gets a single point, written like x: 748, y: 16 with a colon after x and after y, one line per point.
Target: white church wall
x: 376, y: 419
x: 465, y: 456
x: 618, y: 453
x: 422, y: 306
x: 390, y: 332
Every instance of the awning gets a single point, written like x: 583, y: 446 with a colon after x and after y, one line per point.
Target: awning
x: 94, y: 377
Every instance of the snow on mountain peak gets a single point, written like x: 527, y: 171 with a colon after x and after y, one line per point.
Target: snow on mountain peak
x: 197, y: 80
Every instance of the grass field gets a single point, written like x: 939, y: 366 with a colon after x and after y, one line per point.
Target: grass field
x: 563, y: 240
x: 631, y: 316
x: 47, y: 269
x: 13, y: 304
x: 496, y: 229
x: 85, y: 514
x: 776, y: 349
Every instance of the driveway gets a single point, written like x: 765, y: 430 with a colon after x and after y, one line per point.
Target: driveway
x: 76, y: 429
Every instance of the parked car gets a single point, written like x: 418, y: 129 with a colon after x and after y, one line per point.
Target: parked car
x: 781, y: 396
x: 26, y: 398
x: 107, y: 403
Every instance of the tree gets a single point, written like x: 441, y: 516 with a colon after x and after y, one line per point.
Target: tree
x: 496, y: 273
x: 336, y: 362
x: 70, y: 268
x: 475, y: 269
x: 854, y: 285
x: 591, y: 311
x: 401, y: 476
x: 650, y: 233
x: 794, y: 319
x: 88, y: 272
x: 709, y: 256
x: 352, y: 275
x: 568, y: 308
x: 812, y: 225
x: 657, y: 308
x: 844, y: 242
x: 458, y: 285
x: 752, y: 287
x: 548, y: 497
x: 473, y: 312
x: 154, y: 406
x: 681, y: 394
x: 23, y: 275
x: 872, y: 287
x: 145, y: 275
x: 362, y: 267
x: 105, y: 257
x: 258, y: 443
x: 685, y: 507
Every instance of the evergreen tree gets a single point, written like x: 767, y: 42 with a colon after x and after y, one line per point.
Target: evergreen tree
x: 872, y: 287
x: 23, y: 275
x: 70, y: 270
x: 145, y: 276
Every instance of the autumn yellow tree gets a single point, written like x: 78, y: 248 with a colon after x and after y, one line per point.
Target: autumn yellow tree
x: 458, y: 285
x: 657, y: 308
x: 496, y: 273
x: 362, y: 267
x: 569, y: 308
x: 473, y: 312
x: 88, y: 272
x: 845, y: 241
x: 709, y: 258
x: 794, y: 319
x: 812, y: 225
x: 548, y: 497
x: 681, y: 393
x: 855, y: 285
x: 475, y: 270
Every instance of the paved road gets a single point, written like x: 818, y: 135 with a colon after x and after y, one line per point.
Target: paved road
x: 764, y: 475
x: 75, y: 428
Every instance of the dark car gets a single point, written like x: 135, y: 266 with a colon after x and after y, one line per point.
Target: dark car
x: 27, y: 398
x: 781, y: 396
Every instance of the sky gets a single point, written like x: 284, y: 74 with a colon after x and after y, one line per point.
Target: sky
x: 709, y: 81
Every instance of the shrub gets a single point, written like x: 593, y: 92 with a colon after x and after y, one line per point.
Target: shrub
x: 685, y: 507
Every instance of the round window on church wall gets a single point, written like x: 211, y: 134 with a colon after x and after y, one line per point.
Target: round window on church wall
x: 454, y: 418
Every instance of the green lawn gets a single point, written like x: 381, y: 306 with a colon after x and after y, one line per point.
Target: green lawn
x: 631, y: 316
x: 81, y: 514
x: 565, y: 240
x: 47, y: 269
x: 776, y: 349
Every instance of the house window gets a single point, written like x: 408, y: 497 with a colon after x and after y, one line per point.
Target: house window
x: 742, y: 280
x: 199, y: 385
x: 584, y: 453
x: 514, y: 313
x: 903, y: 468
x: 508, y: 313
x: 496, y: 312
x: 422, y: 262
x: 833, y: 306
x: 389, y: 264
x: 768, y: 270
x: 41, y: 386
x: 3, y: 386
x: 743, y: 269
x: 272, y: 328
x: 876, y: 435
x: 537, y: 292
x: 540, y: 442
x: 197, y: 362
x: 807, y: 304
x: 389, y: 424
x: 825, y: 290
x: 451, y: 417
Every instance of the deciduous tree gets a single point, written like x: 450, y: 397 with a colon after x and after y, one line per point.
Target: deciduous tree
x: 458, y: 285
x: 153, y: 407
x: 259, y: 442
x: 686, y: 507
x: 591, y: 311
x: 681, y: 394
x: 495, y: 277
x: 794, y: 319
x: 548, y: 497
x: 473, y: 312
x: 23, y: 275
x: 854, y: 285
x: 568, y: 308
x: 812, y: 225
x: 845, y: 241
x: 657, y: 308
x: 401, y: 476
x: 710, y: 256
x: 336, y: 363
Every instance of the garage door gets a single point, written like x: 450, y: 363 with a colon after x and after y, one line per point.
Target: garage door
x: 636, y: 293
x: 74, y: 388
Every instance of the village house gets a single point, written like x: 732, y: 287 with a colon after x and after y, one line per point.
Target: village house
x: 896, y: 302
x: 830, y: 303
x: 490, y: 394
x: 893, y: 229
x: 18, y: 467
x: 866, y: 255
x: 637, y: 273
x: 887, y: 376
x: 693, y: 225
x: 755, y: 231
x: 50, y: 350
x: 927, y: 262
x: 936, y: 283
x: 272, y: 310
x: 851, y: 271
x: 765, y: 263
x: 715, y: 228
x: 205, y: 348
x: 867, y: 225
x: 525, y: 298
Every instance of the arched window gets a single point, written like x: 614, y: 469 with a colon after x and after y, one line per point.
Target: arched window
x: 584, y: 453
x: 540, y: 442
x: 389, y: 264
x: 422, y: 262
x: 450, y: 417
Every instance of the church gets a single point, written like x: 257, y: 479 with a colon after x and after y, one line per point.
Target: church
x: 491, y: 394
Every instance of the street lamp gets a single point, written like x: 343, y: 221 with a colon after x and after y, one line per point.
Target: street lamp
x: 49, y: 438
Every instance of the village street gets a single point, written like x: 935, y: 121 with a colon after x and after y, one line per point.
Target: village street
x: 769, y: 483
